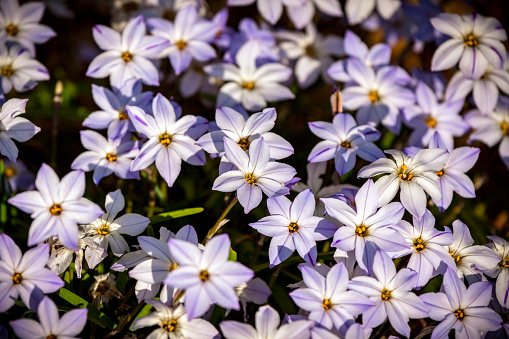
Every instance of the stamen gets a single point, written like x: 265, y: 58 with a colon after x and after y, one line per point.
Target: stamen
x: 104, y: 230
x: 244, y: 143
x: 250, y: 179
x: 173, y: 266
x: 6, y: 71
x: 102, y: 288
x: 204, y: 276
x: 51, y: 336
x: 374, y: 97
x: 17, y: 278
x: 403, y: 175
x: 165, y: 139
x: 503, y: 264
x: 55, y: 209
x: 471, y: 40
x: 126, y: 56
x: 440, y: 173
x: 431, y: 122
x: 181, y: 44
x: 327, y: 305
x: 386, y: 295
x: 9, y: 172
x: 456, y: 259
x: 460, y: 314
x: 505, y: 128
x: 111, y: 157
x: 293, y: 227
x: 12, y: 30
x: 170, y: 327
x: 419, y: 244
x: 123, y: 116
x: 361, y: 231
x: 346, y: 144
x: 248, y: 85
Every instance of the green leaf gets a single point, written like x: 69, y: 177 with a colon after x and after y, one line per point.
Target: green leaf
x: 233, y: 255
x: 144, y: 311
x: 94, y: 314
x: 175, y: 214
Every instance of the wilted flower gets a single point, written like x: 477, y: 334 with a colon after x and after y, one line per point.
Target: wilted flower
x: 57, y: 207
x: 103, y: 289
x: 24, y: 275
x: 50, y: 325
x: 12, y: 126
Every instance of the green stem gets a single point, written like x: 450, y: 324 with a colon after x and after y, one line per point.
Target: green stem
x: 217, y: 225
x: 57, y: 101
x: 257, y: 250
x: 152, y: 194
x: 275, y: 275
x: 126, y: 320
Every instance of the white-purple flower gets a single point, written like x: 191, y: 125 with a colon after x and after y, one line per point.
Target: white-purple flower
x: 254, y: 174
x: 366, y: 228
x: 327, y: 298
x: 413, y: 175
x: 113, y: 115
x: 344, y: 141
x: 429, y: 117
x: 20, y: 24
x: 57, y: 207
x: 392, y: 293
x: 24, y: 275
x: 500, y: 271
x: 170, y: 139
x: 126, y: 55
x: 462, y: 309
x: 359, y: 10
x: 267, y: 327
x: 207, y: 276
x: 427, y: 247
x: 50, y: 324
x: 107, y: 156
x: 475, y: 43
x: 188, y: 37
x: 248, y: 84
x: 12, y: 126
x: 293, y: 226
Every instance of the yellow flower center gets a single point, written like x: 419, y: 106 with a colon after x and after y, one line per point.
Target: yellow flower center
x: 311, y: 51
x: 104, y: 230
x: 456, y: 259
x: 248, y: 85
x: 403, y: 175
x: 123, y: 116
x: 459, y: 313
x: 165, y: 139
x: 374, y: 97
x: 327, y: 305
x: 361, y: 231
x: 505, y: 128
x: 503, y: 264
x: 244, y: 143
x: 440, y: 173
x: 171, y: 326
x: 111, y: 157
x: 6, y: 71
x: 346, y: 144
x: 204, y: 275
x: 126, y: 56
x: 419, y: 244
x: 181, y: 44
x: 293, y: 227
x: 386, y: 295
x: 51, y: 336
x: 250, y: 179
x: 173, y: 266
x: 431, y: 122
x: 9, y: 172
x: 471, y: 40
x: 17, y: 278
x: 12, y: 30
x: 55, y: 209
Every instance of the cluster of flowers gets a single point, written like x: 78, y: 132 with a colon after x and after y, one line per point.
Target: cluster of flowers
x: 182, y: 278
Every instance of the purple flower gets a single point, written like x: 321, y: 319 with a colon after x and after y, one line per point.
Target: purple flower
x: 358, y: 11
x: 20, y: 24
x: 376, y: 95
x: 492, y: 128
x: 126, y: 55
x: 366, y: 229
x: 173, y: 322
x: 57, y: 207
x: 243, y: 129
x: 500, y: 271
x: 391, y: 291
x: 429, y: 117
x: 50, y: 325
x: 327, y: 298
x: 462, y: 309
x: 169, y: 140
x: 19, y: 70
x: 187, y: 38
x: 486, y: 89
x: 261, y: 42
x: 254, y: 174
x: 250, y: 85
x: 475, y: 42
x: 427, y: 247
x: 113, y: 113
x: 471, y: 260
x: 413, y: 175
x: 25, y: 275
x: 313, y: 52
x: 293, y: 226
x: 344, y: 140
x: 206, y: 276
x: 17, y: 177
x: 107, y: 156
x: 12, y: 126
